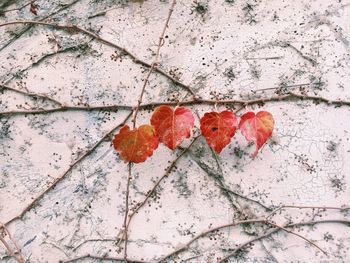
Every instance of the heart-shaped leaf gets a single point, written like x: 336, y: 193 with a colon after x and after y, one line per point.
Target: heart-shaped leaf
x: 135, y: 145
x: 172, y: 126
x: 218, y: 128
x: 257, y: 127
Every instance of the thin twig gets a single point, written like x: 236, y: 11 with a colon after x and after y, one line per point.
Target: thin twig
x: 274, y: 230
x: 9, y: 249
x: 60, y: 178
x: 307, y: 58
x: 107, y: 258
x: 298, y: 235
x: 25, y: 29
x: 243, y: 103
x: 18, y: 8
x: 154, y: 63
x: 75, y: 28
x: 264, y: 220
x: 65, y: 108
x: 245, y: 198
x: 92, y: 240
x: 265, y: 58
x: 206, y: 232
x: 153, y: 190
x: 269, y: 252
x: 12, y: 253
x: 244, y: 244
x: 223, y: 187
x: 125, y: 226
x: 32, y: 94
x: 73, y: 48
x: 344, y: 208
x: 134, y: 117
x: 284, y: 86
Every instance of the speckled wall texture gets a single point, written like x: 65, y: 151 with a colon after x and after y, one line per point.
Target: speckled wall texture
x: 67, y: 85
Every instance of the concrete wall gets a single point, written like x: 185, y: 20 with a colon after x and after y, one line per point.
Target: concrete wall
x: 221, y: 49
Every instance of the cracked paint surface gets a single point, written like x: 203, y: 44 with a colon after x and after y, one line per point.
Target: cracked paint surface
x: 222, y: 49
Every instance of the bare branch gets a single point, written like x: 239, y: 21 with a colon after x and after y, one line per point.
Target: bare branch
x: 134, y: 117
x: 9, y: 249
x: 298, y: 235
x: 125, y: 226
x: 32, y: 94
x: 75, y: 28
x: 242, y: 103
x: 343, y: 208
x: 18, y: 8
x: 275, y: 230
x: 117, y: 259
x: 11, y: 252
x: 60, y: 178
x: 206, y: 232
x: 26, y: 28
x: 264, y: 220
x: 154, y: 63
x: 121, y: 234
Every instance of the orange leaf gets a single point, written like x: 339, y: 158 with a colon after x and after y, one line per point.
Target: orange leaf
x: 257, y: 128
x: 218, y: 128
x: 135, y: 145
x: 172, y: 126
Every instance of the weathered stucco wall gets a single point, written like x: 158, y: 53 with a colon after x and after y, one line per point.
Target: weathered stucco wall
x: 221, y: 49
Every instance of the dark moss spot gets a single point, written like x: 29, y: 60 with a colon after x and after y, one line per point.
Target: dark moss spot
x: 200, y: 7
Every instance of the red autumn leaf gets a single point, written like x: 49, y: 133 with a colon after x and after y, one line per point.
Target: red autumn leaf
x: 172, y: 126
x: 135, y: 145
x: 218, y: 128
x: 257, y: 127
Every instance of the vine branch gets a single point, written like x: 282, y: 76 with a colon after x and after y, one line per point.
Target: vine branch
x: 264, y: 220
x: 90, y: 256
x: 153, y: 190
x: 19, y: 258
x: 154, y: 64
x: 125, y: 228
x: 243, y: 103
x: 75, y: 28
x: 134, y: 117
x: 278, y: 228
x: 60, y: 178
